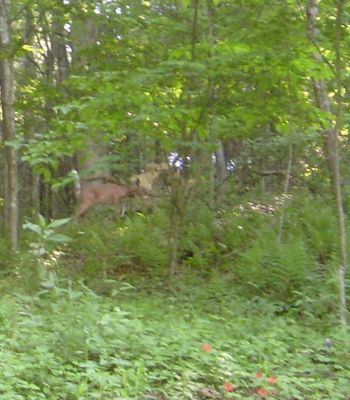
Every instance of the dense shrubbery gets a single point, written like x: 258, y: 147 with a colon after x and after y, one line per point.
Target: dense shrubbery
x: 249, y: 316
x: 292, y: 267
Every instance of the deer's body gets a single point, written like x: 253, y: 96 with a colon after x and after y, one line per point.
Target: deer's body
x: 109, y: 193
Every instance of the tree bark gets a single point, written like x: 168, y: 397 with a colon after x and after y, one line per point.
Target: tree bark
x: 59, y: 46
x: 7, y: 84
x: 180, y: 189
x: 59, y: 74
x: 179, y: 196
x: 285, y: 194
x: 29, y: 119
x: 332, y: 137
x: 83, y: 37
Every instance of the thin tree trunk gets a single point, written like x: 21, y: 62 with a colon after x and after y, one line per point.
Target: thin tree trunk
x: 331, y: 138
x: 9, y: 131
x: 285, y: 193
x: 59, y: 46
x: 338, y: 189
x: 28, y: 118
x: 180, y: 186
x: 59, y: 74
x: 174, y: 241
x: 221, y: 172
x: 179, y: 197
x: 221, y: 168
x: 6, y: 198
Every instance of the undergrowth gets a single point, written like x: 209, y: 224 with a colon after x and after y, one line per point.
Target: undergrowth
x: 293, y: 265
x: 70, y: 343
x: 252, y: 312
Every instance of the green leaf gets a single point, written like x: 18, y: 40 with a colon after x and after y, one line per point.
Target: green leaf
x: 29, y: 48
x: 58, y: 222
x: 15, y: 144
x: 33, y: 227
x: 186, y: 3
x: 42, y: 221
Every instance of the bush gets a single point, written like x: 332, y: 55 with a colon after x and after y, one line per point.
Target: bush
x: 313, y: 219
x: 278, y: 270
x: 143, y: 241
x: 93, y: 250
x: 299, y: 269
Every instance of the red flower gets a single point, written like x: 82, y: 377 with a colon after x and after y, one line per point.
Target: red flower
x: 259, y: 375
x: 262, y: 392
x: 229, y: 387
x: 206, y: 347
x: 272, y: 380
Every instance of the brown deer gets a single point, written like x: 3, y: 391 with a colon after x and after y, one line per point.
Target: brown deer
x: 110, y: 193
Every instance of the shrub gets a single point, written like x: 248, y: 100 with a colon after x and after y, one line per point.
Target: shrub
x: 143, y: 240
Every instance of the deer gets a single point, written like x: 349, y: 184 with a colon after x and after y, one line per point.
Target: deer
x: 107, y: 193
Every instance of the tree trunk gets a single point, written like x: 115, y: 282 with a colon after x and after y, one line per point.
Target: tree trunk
x: 174, y: 241
x: 332, y: 138
x: 29, y: 119
x: 221, y: 173
x: 179, y: 197
x: 9, y: 130
x: 83, y: 37
x: 59, y: 45
x: 180, y: 185
x: 59, y: 49
x: 221, y: 167
x: 285, y: 194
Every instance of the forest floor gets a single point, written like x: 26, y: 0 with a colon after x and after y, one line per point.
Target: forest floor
x: 200, y: 340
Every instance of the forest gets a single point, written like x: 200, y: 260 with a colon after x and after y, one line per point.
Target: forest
x: 174, y: 199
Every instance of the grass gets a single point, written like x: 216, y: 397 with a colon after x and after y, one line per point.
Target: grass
x: 200, y: 339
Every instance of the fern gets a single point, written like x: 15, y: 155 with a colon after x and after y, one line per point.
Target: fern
x: 314, y: 220
x: 144, y: 241
x: 277, y: 270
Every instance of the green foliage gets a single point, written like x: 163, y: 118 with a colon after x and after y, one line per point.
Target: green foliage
x: 69, y: 343
x: 147, y: 82
x: 198, y: 238
x: 94, y: 251
x: 140, y: 242
x: 296, y: 269
x: 125, y: 245
x: 316, y: 223
x: 45, y: 152
x: 143, y: 241
x: 46, y: 235
x: 6, y: 256
x: 279, y: 270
